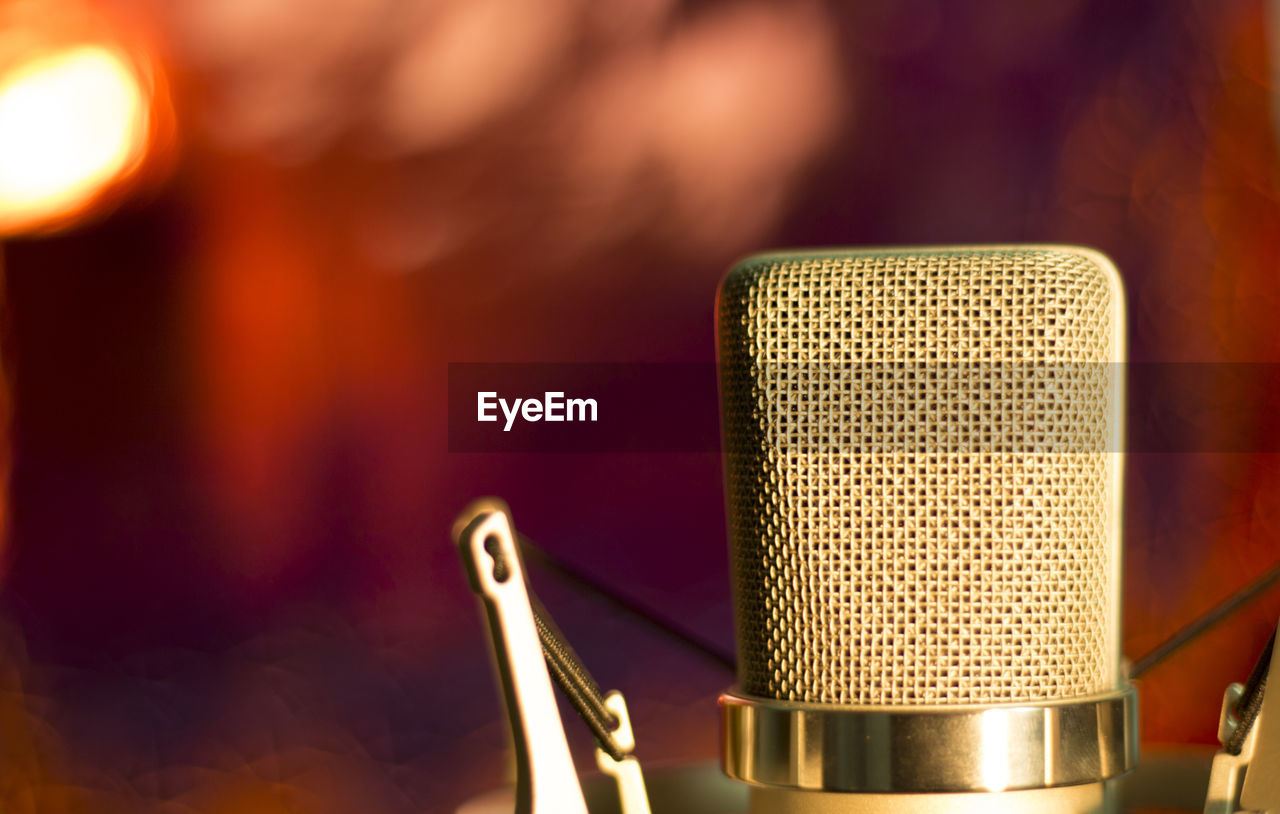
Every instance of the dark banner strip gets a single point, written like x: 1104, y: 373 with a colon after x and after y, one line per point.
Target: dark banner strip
x: 938, y: 408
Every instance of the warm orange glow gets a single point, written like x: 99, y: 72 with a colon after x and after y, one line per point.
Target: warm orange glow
x: 71, y: 124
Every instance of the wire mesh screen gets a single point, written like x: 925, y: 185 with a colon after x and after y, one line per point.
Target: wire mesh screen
x: 924, y: 474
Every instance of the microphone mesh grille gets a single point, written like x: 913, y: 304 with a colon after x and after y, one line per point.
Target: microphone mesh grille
x: 878, y: 556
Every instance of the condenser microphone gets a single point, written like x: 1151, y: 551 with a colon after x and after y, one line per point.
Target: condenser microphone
x: 923, y: 454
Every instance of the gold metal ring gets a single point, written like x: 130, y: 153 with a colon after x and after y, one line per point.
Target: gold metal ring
x: 824, y: 747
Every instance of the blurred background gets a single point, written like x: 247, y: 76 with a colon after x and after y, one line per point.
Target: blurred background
x: 242, y: 240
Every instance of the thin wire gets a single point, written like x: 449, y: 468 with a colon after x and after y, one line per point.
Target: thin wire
x: 575, y: 681
x: 533, y: 551
x: 1205, y: 621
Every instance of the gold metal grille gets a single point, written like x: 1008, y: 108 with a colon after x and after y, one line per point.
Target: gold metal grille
x: 923, y: 469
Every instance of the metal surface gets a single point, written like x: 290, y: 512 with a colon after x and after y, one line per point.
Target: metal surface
x: 626, y: 771
x: 546, y: 782
x: 1168, y: 779
x: 928, y: 749
x: 923, y: 473
x: 1094, y: 798
x: 1227, y: 772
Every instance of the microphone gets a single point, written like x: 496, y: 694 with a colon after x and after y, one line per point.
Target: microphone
x: 923, y: 469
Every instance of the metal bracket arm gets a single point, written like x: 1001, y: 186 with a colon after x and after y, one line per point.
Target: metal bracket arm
x: 546, y: 781
x: 626, y: 772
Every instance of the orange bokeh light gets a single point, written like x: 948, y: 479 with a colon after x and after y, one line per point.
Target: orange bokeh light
x: 72, y: 124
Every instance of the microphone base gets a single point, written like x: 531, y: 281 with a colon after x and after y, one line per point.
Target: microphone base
x: 929, y: 750
x: 1169, y: 778
x: 1091, y: 798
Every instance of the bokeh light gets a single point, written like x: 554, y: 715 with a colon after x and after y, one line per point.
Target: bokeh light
x: 72, y: 123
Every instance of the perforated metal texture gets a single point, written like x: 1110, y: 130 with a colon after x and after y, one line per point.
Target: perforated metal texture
x: 897, y: 540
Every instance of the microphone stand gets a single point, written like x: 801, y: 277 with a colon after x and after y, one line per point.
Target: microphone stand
x: 529, y: 650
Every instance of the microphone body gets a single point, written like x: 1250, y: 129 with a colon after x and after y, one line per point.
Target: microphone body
x: 923, y: 457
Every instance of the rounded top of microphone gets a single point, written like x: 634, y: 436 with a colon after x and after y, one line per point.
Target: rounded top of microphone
x: 964, y: 303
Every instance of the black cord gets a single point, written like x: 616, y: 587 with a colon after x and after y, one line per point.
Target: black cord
x: 1205, y: 621
x: 532, y: 551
